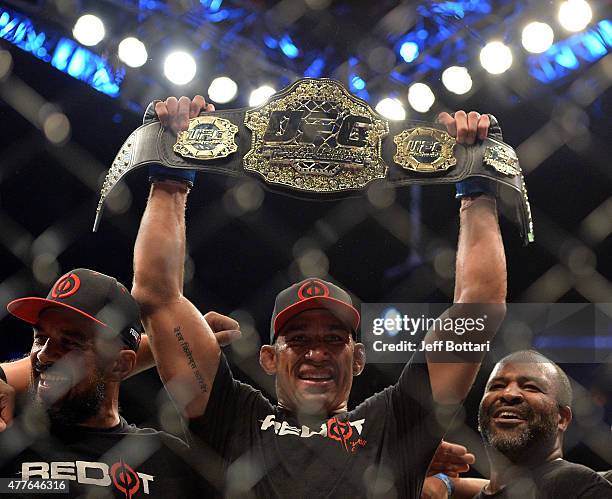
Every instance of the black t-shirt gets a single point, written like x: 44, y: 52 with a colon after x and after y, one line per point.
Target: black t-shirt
x: 382, y: 448
x: 123, y: 461
x: 557, y: 479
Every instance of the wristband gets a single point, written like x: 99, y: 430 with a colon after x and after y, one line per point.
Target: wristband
x: 3, y: 375
x: 474, y: 186
x: 159, y: 172
x: 450, y: 486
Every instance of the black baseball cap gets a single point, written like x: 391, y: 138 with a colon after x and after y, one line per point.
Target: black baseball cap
x: 99, y: 297
x: 312, y: 294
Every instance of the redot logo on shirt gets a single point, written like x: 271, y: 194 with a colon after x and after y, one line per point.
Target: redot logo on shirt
x: 119, y: 474
x: 334, y: 429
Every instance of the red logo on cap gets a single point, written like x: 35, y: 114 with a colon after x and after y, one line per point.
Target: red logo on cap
x: 66, y: 285
x: 311, y: 289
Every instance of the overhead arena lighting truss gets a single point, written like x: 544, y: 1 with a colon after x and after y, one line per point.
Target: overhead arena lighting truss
x: 270, y: 43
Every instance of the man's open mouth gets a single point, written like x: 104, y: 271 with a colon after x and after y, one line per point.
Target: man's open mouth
x: 315, y: 377
x: 46, y: 379
x: 508, y: 416
x: 52, y: 386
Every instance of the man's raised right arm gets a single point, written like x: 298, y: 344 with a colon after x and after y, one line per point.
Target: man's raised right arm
x: 184, y: 346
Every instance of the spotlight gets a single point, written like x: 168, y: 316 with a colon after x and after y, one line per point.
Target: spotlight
x: 575, y: 15
x: 537, y: 37
x: 261, y: 95
x: 288, y: 47
x: 409, y: 51
x: 496, y: 57
x: 88, y: 30
x: 222, y: 90
x: 391, y: 109
x: 420, y: 97
x: 133, y: 52
x: 180, y: 68
x: 457, y: 80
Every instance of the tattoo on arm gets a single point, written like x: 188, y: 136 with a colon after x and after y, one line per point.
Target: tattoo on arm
x: 192, y: 363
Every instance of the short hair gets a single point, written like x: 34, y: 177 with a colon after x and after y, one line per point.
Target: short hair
x: 564, y: 387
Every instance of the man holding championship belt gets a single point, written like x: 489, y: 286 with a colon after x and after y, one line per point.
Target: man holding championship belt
x: 310, y: 444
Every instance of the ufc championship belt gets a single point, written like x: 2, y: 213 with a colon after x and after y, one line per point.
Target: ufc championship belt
x: 315, y: 139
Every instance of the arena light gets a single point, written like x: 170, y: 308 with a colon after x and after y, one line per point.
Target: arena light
x: 288, y: 47
x: 133, y: 52
x: 88, y: 30
x: 64, y: 54
x: 180, y: 67
x: 391, y: 109
x: 222, y: 90
x: 496, y: 57
x: 356, y: 83
x: 571, y: 54
x: 575, y: 15
x: 409, y: 51
x: 537, y: 37
x: 420, y: 97
x: 457, y: 79
x: 316, y: 68
x: 261, y: 95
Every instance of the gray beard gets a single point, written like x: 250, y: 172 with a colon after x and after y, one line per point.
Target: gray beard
x: 541, y: 432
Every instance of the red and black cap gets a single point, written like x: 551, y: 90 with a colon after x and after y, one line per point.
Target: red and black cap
x: 96, y: 296
x: 312, y: 294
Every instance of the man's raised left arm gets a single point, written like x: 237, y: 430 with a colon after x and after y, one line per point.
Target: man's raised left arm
x: 480, y: 276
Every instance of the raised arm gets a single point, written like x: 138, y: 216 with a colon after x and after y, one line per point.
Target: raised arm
x: 480, y: 276
x: 18, y: 372
x: 184, y: 346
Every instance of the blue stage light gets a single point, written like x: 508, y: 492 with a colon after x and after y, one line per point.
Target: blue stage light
x: 78, y: 64
x: 270, y: 42
x: 566, y: 58
x: 288, y: 48
x: 570, y: 54
x: 64, y: 54
x: 217, y: 17
x: 356, y: 83
x: 459, y: 9
x: 605, y: 30
x: 595, y: 47
x: 211, y: 5
x: 315, y: 70
x: 363, y: 94
x: 409, y: 51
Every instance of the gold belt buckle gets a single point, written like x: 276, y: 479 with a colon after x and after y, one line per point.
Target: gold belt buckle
x: 208, y: 137
x: 425, y: 150
x: 315, y: 136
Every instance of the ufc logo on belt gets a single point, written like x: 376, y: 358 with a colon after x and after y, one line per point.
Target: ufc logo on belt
x: 317, y: 127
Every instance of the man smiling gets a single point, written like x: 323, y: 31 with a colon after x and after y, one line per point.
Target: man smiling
x: 309, y: 444
x: 86, y: 333
x: 523, y: 416
x: 313, y: 353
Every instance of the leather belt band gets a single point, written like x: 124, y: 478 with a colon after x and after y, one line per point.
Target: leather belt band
x: 315, y: 139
